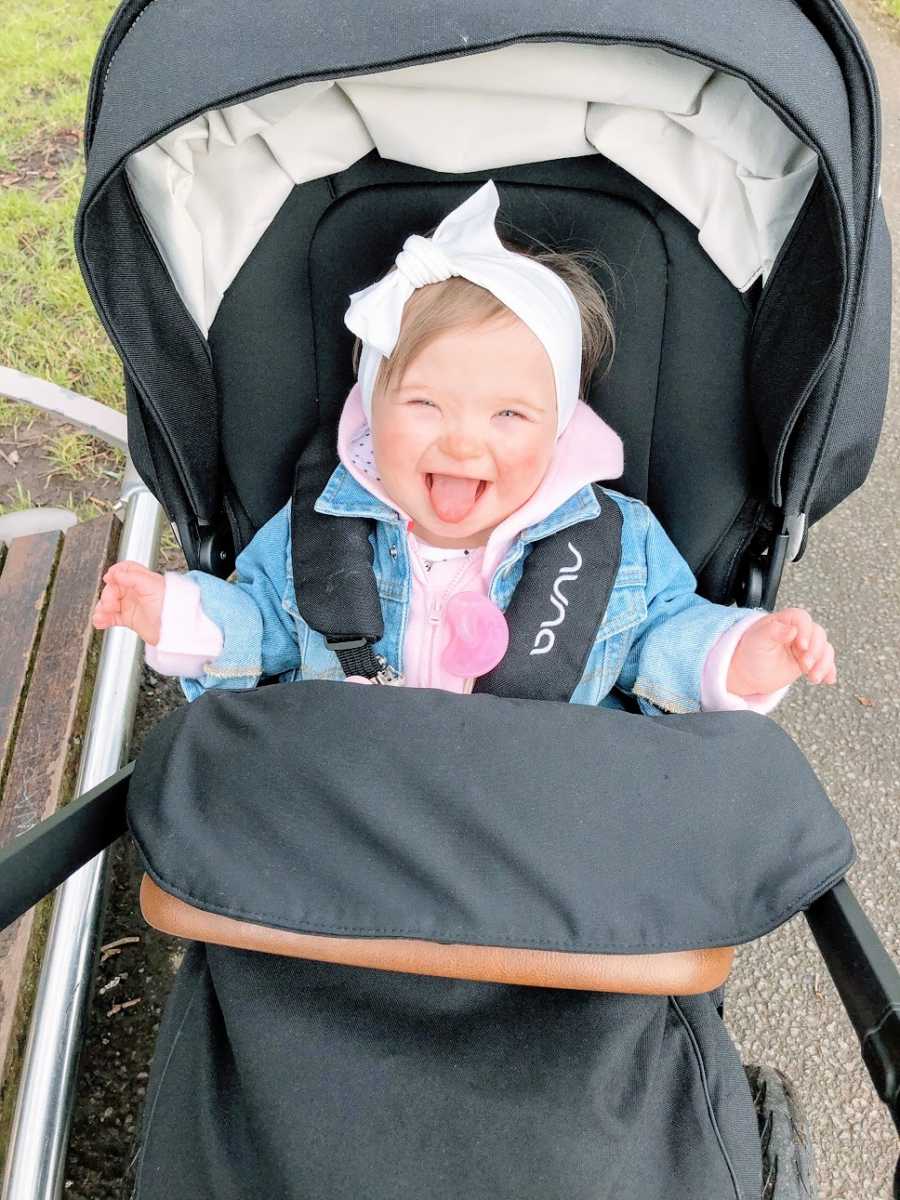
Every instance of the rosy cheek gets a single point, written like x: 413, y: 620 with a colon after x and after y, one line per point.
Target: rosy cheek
x: 528, y: 462
x: 406, y: 448
x: 397, y: 450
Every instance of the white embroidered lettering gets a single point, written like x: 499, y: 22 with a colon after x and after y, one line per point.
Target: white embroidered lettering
x: 546, y: 638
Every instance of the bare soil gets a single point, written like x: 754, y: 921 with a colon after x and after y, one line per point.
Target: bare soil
x: 26, y: 468
x: 41, y: 163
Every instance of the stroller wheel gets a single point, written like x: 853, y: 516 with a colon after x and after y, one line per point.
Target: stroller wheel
x: 787, y: 1156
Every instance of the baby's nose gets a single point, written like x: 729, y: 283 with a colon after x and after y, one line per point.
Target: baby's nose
x: 461, y: 443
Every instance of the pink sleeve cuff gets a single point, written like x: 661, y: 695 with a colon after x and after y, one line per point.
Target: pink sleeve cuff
x: 714, y: 694
x: 188, y: 639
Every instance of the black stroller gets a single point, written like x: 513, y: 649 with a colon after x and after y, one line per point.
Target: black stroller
x: 550, y: 935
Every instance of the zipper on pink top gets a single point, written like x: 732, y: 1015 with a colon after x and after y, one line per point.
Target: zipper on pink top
x: 436, y: 606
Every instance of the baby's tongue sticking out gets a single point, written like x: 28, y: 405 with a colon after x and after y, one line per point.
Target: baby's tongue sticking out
x: 453, y: 498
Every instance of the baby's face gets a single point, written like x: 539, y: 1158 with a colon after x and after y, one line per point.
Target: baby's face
x: 467, y: 434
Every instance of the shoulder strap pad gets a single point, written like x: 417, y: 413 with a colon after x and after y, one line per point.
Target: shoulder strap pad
x: 332, y: 557
x: 557, y: 608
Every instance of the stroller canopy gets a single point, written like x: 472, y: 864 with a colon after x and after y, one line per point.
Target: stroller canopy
x: 698, y: 137
x: 228, y: 147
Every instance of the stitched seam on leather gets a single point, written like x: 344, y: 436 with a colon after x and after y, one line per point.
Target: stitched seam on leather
x: 698, y: 1056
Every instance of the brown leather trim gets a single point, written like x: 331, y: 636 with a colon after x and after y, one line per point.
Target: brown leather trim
x: 680, y: 973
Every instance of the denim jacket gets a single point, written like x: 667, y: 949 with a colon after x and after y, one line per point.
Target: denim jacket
x: 652, y: 643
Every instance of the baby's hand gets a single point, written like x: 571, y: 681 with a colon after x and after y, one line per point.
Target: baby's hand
x: 776, y: 650
x: 133, y: 597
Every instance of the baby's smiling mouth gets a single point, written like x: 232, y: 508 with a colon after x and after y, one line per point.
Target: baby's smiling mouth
x: 454, y: 496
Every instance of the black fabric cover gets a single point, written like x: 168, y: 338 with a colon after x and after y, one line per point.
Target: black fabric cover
x: 478, y: 819
x: 181, y: 57
x: 275, y: 1077
x: 378, y: 811
x: 850, y: 398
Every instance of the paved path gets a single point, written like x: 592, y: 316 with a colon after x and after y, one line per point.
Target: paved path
x: 781, y: 1006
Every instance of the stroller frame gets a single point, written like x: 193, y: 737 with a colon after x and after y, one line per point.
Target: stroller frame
x: 867, y: 980
x: 38, y: 1138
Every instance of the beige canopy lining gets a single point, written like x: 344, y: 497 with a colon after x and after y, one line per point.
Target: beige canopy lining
x: 700, y: 138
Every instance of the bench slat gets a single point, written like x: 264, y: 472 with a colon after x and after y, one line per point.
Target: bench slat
x: 24, y: 587
x: 47, y: 747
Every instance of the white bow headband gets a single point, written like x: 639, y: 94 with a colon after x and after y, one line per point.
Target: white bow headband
x: 466, y: 244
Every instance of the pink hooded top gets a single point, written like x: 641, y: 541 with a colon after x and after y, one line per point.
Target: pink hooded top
x: 587, y: 451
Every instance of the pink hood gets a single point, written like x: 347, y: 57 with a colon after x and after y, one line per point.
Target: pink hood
x: 587, y: 451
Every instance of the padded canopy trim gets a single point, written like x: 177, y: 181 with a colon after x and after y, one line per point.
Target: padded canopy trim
x: 700, y: 138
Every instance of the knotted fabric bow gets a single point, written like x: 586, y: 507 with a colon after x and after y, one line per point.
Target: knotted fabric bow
x: 466, y: 244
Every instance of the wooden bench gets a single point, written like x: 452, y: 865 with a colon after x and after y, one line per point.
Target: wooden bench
x: 49, y: 584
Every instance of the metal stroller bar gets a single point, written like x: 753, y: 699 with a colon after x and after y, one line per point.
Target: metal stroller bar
x: 43, y: 857
x: 37, y: 1145
x: 868, y: 984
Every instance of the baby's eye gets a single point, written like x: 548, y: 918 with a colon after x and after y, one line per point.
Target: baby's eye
x: 512, y: 411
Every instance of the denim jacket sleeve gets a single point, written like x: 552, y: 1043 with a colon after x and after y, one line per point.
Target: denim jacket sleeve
x: 663, y: 667
x: 260, y: 636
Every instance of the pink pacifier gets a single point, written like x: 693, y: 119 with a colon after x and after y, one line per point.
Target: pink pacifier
x: 479, y: 635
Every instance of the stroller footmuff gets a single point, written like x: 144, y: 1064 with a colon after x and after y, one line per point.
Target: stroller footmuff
x: 285, y: 1076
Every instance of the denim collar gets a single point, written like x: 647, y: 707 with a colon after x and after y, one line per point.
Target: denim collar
x: 344, y: 496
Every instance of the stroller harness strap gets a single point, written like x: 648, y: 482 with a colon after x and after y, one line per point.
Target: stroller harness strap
x: 331, y: 559
x: 554, y: 614
x: 557, y: 608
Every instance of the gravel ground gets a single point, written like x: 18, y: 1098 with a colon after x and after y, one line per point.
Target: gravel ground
x: 781, y: 1006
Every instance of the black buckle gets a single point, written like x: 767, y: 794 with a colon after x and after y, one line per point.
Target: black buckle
x: 342, y: 642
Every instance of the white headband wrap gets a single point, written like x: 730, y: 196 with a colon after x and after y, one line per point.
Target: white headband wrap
x: 466, y: 244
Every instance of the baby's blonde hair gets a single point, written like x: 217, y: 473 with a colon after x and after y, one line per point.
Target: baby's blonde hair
x: 438, y: 307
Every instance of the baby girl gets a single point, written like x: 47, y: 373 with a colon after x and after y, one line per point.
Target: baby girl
x: 465, y: 441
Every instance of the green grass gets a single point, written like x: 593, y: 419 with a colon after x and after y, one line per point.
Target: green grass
x: 20, y: 501
x: 85, y: 510
x: 47, y: 323
x: 11, y: 410
x: 74, y: 454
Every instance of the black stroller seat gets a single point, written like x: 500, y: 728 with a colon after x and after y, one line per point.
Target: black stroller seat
x: 677, y: 391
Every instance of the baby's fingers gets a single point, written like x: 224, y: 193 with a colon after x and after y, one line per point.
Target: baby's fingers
x: 108, y: 608
x: 128, y: 574
x: 823, y: 669
x: 808, y: 649
x: 781, y: 631
x: 802, y: 624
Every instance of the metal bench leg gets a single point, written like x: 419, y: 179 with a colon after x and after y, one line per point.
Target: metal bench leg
x: 36, y: 1155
